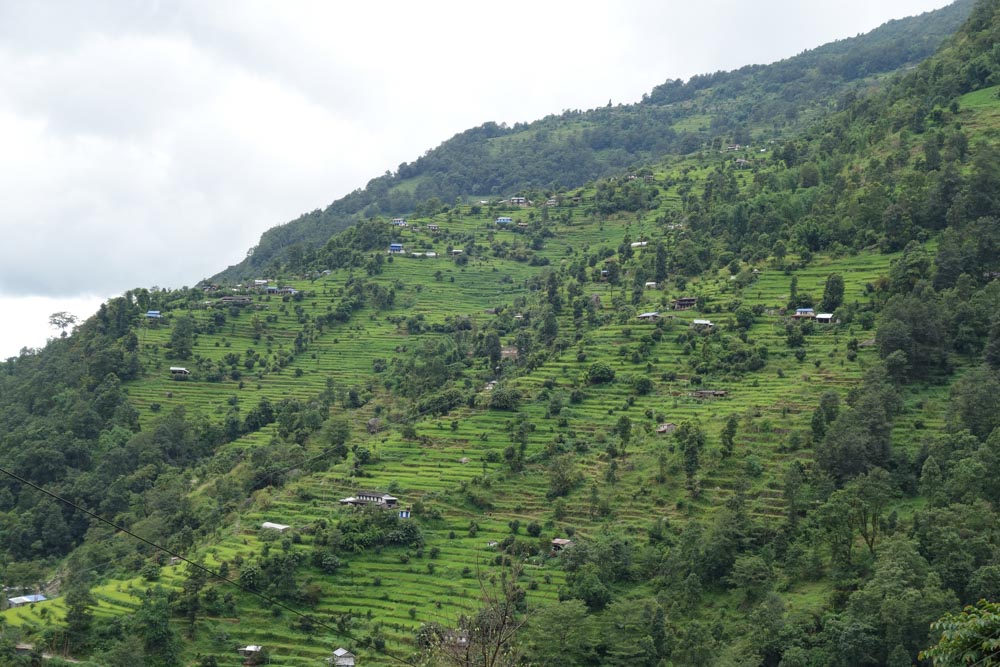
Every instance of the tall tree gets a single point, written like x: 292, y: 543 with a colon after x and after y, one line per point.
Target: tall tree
x: 833, y: 293
x: 182, y: 337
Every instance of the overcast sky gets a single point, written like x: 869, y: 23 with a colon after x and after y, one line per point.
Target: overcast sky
x: 150, y: 143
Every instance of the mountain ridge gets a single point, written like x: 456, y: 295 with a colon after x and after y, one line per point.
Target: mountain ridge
x: 466, y: 165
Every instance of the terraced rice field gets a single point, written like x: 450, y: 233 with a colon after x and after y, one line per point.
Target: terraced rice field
x: 454, y: 465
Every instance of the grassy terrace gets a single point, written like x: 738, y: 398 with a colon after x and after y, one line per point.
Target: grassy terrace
x: 454, y: 465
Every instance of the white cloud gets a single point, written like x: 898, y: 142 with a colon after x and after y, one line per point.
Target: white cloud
x: 26, y: 319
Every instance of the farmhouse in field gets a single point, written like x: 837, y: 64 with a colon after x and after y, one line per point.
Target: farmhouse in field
x: 395, y: 248
x: 250, y: 650
x: 153, y: 314
x: 560, y: 543
x: 666, y: 429
x: 235, y: 300
x: 650, y: 285
x: 179, y: 371
x: 432, y: 228
x: 652, y: 316
x: 342, y: 658
x: 399, y: 222
x: 804, y: 314
x: 702, y: 324
x: 640, y: 244
x: 280, y: 527
x: 710, y: 393
x: 370, y: 498
x: 22, y: 600
x: 824, y: 318
x: 685, y: 303
x: 504, y: 220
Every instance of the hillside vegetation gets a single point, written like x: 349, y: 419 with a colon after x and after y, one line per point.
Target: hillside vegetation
x: 634, y: 365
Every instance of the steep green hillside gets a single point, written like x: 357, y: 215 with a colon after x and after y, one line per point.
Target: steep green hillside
x: 753, y: 103
x: 769, y: 489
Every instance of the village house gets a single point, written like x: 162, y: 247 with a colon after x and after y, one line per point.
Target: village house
x: 179, y: 371
x: 508, y: 352
x: 432, y: 228
x: 519, y: 201
x: 804, y: 314
x: 685, y: 303
x: 342, y: 658
x: 395, y: 248
x: 824, y: 318
x: 22, y: 600
x: 235, y: 300
x: 153, y: 314
x: 560, y: 543
x: 280, y: 527
x: 249, y: 650
x: 702, y: 324
x: 652, y: 316
x: 504, y: 220
x: 370, y: 498
x: 260, y: 283
x: 399, y: 222
x: 650, y: 285
x: 709, y: 393
x: 639, y: 244
x: 666, y: 429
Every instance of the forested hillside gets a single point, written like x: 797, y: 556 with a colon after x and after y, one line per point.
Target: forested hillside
x: 731, y: 407
x: 567, y: 150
